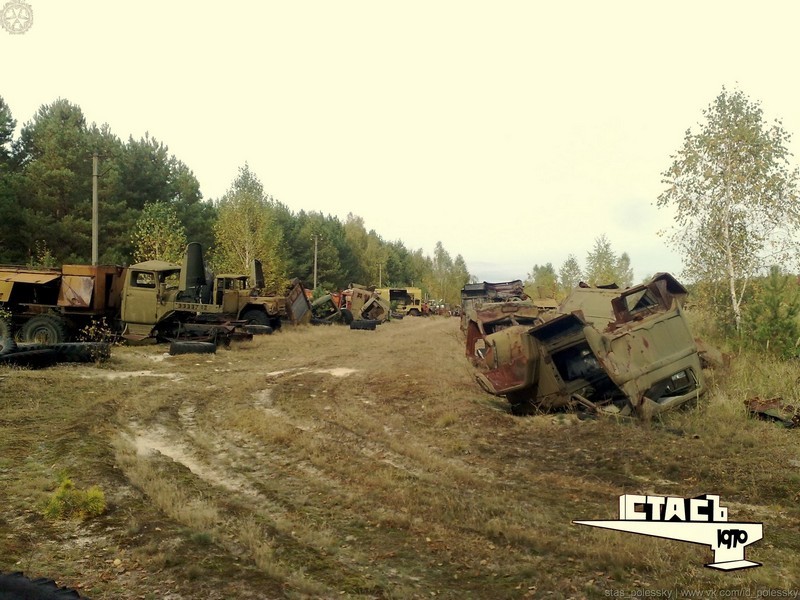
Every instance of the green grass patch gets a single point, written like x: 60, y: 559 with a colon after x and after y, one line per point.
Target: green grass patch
x: 70, y: 502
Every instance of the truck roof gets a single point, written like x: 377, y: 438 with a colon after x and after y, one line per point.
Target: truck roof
x: 155, y: 265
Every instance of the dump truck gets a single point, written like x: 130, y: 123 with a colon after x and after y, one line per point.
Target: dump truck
x: 50, y: 305
x: 404, y: 301
x: 149, y: 299
x: 627, y: 352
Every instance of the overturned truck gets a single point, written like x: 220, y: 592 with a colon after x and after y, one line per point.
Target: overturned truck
x: 627, y: 352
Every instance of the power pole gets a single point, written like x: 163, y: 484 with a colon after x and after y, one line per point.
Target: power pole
x: 380, y: 275
x: 316, y: 237
x: 95, y: 211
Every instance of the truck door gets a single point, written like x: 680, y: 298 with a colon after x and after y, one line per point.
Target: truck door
x: 140, y: 300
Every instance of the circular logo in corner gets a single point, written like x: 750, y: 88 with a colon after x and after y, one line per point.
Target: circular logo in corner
x: 16, y: 16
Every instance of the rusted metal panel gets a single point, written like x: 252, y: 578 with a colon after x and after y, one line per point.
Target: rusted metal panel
x: 76, y: 291
x: 5, y: 290
x: 774, y: 409
x: 36, y: 277
x: 297, y: 305
x: 511, y: 358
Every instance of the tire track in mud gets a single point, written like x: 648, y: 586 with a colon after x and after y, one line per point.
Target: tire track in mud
x: 222, y: 468
x: 272, y: 482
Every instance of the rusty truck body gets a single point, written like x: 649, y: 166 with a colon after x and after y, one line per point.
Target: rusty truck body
x: 365, y: 303
x: 628, y: 352
x: 51, y: 303
x: 357, y: 302
x: 473, y: 295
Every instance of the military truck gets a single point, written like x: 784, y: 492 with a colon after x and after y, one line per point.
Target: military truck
x: 628, y: 352
x: 149, y: 299
x: 163, y: 300
x: 404, y: 301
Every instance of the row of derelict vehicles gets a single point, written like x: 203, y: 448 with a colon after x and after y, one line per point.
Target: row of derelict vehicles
x: 156, y: 300
x: 602, y: 349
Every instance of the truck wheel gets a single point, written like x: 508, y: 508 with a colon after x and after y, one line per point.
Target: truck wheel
x: 414, y: 312
x: 192, y: 348
x: 15, y: 585
x: 7, y: 345
x: 365, y: 324
x: 5, y: 329
x: 45, y: 329
x: 256, y: 317
x: 347, y: 316
x: 83, y: 352
x: 33, y: 359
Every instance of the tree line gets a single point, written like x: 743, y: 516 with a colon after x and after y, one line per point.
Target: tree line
x: 150, y: 204
x: 603, y: 266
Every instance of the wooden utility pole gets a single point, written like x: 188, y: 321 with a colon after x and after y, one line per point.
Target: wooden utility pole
x: 95, y: 211
x: 315, y: 260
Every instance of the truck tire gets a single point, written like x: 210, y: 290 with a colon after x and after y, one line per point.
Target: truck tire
x: 414, y: 312
x: 364, y: 324
x: 14, y: 586
x: 7, y: 345
x: 258, y: 329
x: 256, y: 317
x: 192, y: 348
x: 45, y: 329
x: 83, y: 352
x: 347, y: 316
x: 33, y: 359
x: 5, y: 329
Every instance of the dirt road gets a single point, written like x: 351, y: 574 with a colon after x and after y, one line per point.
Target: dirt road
x: 319, y: 462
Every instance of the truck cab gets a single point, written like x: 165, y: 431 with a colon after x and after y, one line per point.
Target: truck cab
x: 406, y: 301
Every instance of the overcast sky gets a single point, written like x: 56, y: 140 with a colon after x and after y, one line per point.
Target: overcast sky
x: 514, y: 132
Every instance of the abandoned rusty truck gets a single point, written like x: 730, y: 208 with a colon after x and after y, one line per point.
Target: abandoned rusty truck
x: 357, y: 302
x: 153, y: 299
x: 405, y: 301
x: 626, y: 352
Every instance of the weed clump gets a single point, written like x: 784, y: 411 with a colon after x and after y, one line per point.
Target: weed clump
x: 69, y: 502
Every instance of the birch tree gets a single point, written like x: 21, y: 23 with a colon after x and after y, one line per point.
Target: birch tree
x: 734, y: 196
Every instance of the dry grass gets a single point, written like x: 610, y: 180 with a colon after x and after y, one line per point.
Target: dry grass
x: 325, y: 462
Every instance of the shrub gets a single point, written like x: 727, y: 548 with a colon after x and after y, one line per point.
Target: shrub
x: 770, y: 321
x: 69, y: 502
